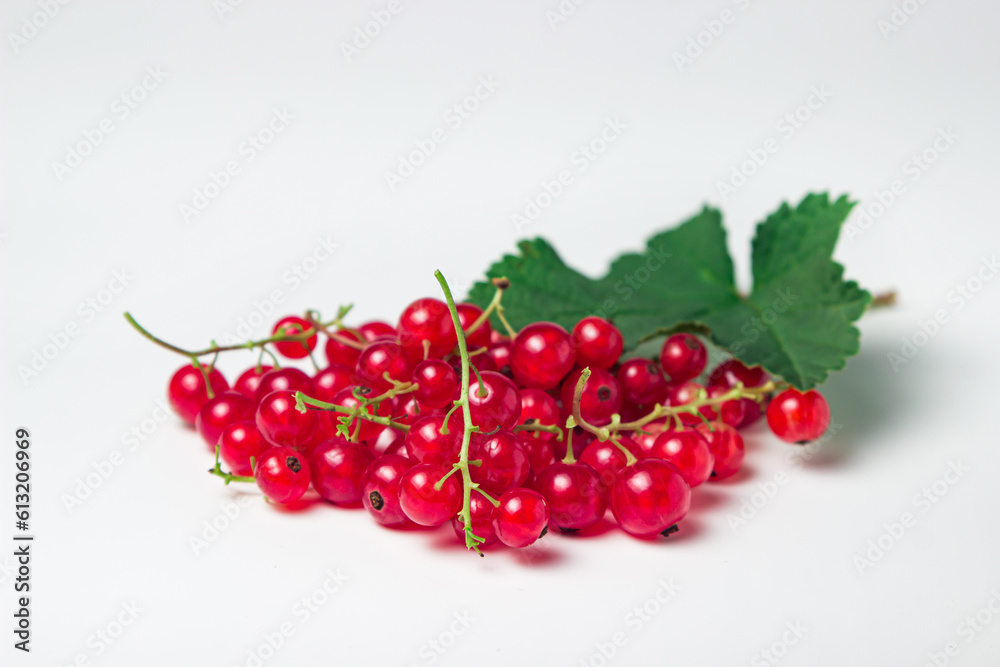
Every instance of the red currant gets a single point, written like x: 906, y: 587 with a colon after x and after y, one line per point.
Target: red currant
x: 331, y: 380
x: 730, y: 372
x: 732, y: 412
x: 683, y: 357
x: 426, y: 443
x: 282, y: 474
x: 521, y: 518
x: 598, y: 343
x: 798, y: 417
x: 380, y: 495
x: 608, y: 459
x: 291, y: 326
x: 495, y: 403
x: 240, y: 441
x: 380, y: 358
x: 341, y: 353
x: 187, y: 391
x: 727, y: 449
x: 468, y: 313
x: 650, y: 497
x: 281, y: 424
x: 365, y: 429
x: 504, y: 463
x: 481, y: 513
x: 372, y: 331
x: 422, y: 502
x: 338, y: 467
x: 427, y: 320
x: 537, y: 407
x: 221, y: 411
x: 575, y: 493
x: 682, y: 394
x: 436, y: 383
x: 249, y: 380
x: 541, y: 355
x: 499, y: 354
x: 539, y: 451
x: 689, y: 451
x: 642, y: 381
x: 283, y: 379
x: 601, y: 396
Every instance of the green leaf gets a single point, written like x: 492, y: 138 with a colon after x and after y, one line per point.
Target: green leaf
x: 797, y: 322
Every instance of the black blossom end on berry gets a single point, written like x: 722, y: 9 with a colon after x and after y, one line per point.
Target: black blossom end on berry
x: 802, y: 442
x: 670, y: 531
x: 376, y: 500
x: 604, y: 394
x: 544, y: 530
x: 293, y: 464
x: 714, y: 474
x: 569, y: 531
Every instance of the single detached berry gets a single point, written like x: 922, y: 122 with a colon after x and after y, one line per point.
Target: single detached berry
x: 598, y: 343
x: 220, y: 412
x: 249, y: 380
x: 727, y: 449
x: 683, y: 357
x: 282, y: 474
x: 504, y: 462
x: 642, y: 382
x: 291, y: 326
x: 495, y: 403
x: 481, y: 513
x: 436, y: 383
x: 427, y: 321
x: 541, y: 355
x: 575, y: 493
x: 601, y: 396
x: 650, y: 497
x: 521, y: 518
x: 241, y: 441
x: 380, y: 494
x: 281, y: 424
x: 425, y: 504
x: 798, y: 417
x: 688, y: 450
x: 187, y: 391
x: 337, y: 468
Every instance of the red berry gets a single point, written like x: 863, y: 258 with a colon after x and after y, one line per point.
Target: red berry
x: 468, y: 313
x: 365, y: 429
x: 380, y: 358
x: 539, y: 451
x: 683, y: 357
x: 238, y: 443
x: 495, y: 403
x: 422, y: 502
x: 220, y: 412
x: 798, y: 417
x: 187, y: 391
x: 728, y: 373
x: 537, y: 407
x: 650, y: 497
x: 642, y: 382
x: 427, y: 320
x: 249, y: 380
x: 380, y: 495
x: 601, y: 396
x: 521, y: 518
x: 372, y: 331
x: 499, y: 354
x: 338, y: 467
x: 281, y: 424
x: 608, y: 459
x: 504, y: 463
x: 331, y: 380
x: 426, y: 443
x: 283, y: 379
x: 282, y: 474
x: 683, y: 394
x: 290, y: 326
x: 689, y: 451
x: 598, y: 343
x: 647, y: 437
x: 727, y: 449
x: 338, y: 352
x: 575, y: 493
x: 732, y: 412
x: 481, y: 513
x: 541, y: 355
x: 436, y: 383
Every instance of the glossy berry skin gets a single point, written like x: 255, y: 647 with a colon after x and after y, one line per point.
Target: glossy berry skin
x: 436, y: 383
x: 732, y: 412
x: 366, y: 430
x: 384, y: 356
x: 505, y: 464
x: 337, y: 468
x: 683, y: 357
x: 187, y: 391
x: 249, y: 380
x: 798, y: 417
x: 727, y: 449
x: 499, y: 354
x: 521, y: 518
x: 541, y: 355
x: 427, y: 320
x: 538, y: 407
x: 598, y: 343
x: 539, y: 451
x: 283, y: 379
x: 282, y: 474
x: 421, y: 502
x: 380, y: 494
x: 601, y: 396
x: 642, y: 382
x: 650, y: 432
x: 576, y: 494
x: 688, y: 450
x: 607, y: 459
x: 338, y: 352
x: 331, y: 381
x: 281, y: 424
x: 728, y: 373
x: 372, y: 331
x: 425, y: 442
x: 238, y: 443
x: 468, y: 313
x: 220, y: 412
x: 290, y: 326
x: 499, y: 407
x: 650, y: 497
x: 481, y: 513
x: 682, y: 394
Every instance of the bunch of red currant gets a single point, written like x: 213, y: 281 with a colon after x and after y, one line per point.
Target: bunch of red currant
x: 502, y: 434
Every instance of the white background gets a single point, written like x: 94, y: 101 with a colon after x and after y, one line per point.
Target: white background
x: 687, y: 128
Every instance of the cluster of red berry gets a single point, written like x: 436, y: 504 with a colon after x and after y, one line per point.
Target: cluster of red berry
x: 542, y: 427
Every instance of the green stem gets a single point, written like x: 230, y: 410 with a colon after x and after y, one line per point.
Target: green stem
x: 540, y: 428
x: 302, y: 400
x: 227, y: 476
